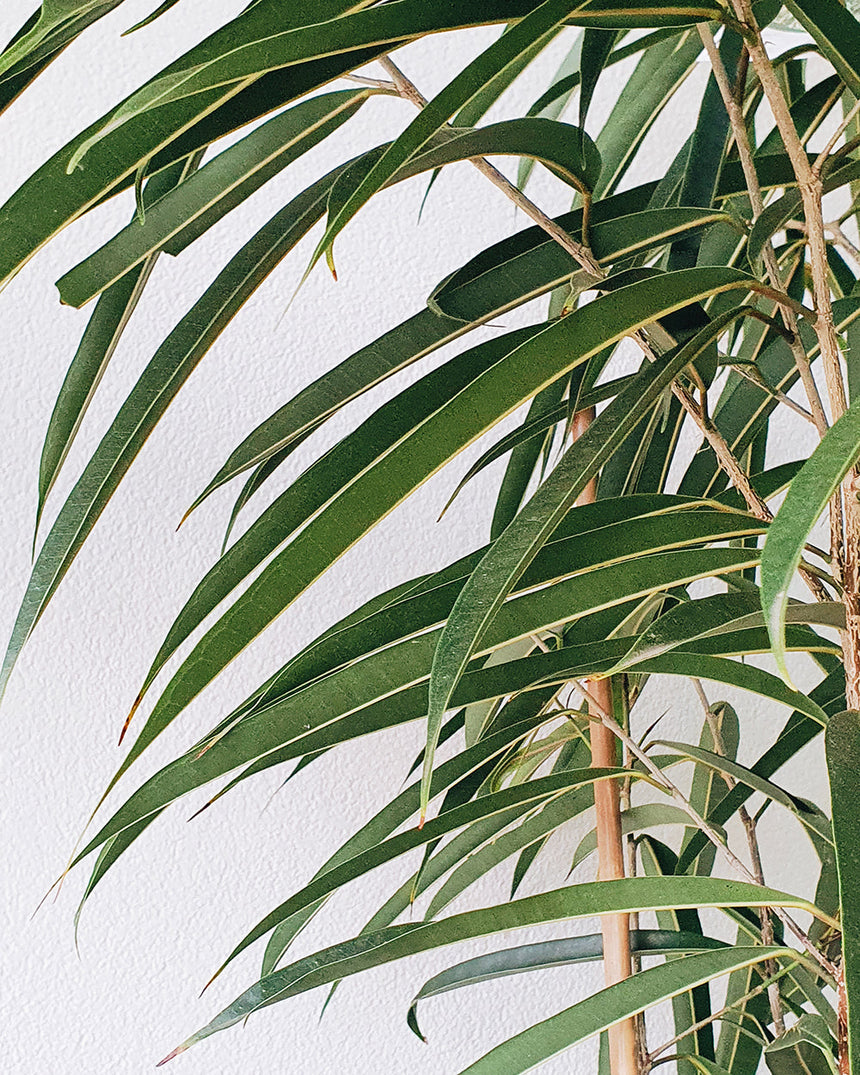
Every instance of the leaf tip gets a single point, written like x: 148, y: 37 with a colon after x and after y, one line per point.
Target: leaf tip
x: 170, y: 1056
x: 129, y: 718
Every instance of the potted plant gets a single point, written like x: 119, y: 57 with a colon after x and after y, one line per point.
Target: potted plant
x: 715, y: 302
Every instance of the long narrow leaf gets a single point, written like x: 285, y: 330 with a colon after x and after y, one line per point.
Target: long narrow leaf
x: 807, y: 498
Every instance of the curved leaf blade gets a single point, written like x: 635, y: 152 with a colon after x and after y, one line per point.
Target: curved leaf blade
x: 514, y: 549
x: 172, y: 363
x: 807, y: 497
x: 547, y: 954
x: 575, y: 901
x: 614, y: 1004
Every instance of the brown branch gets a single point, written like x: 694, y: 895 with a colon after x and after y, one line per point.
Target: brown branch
x: 739, y: 131
x: 624, y: 1045
x: 580, y: 253
x: 811, y: 191
x: 662, y: 780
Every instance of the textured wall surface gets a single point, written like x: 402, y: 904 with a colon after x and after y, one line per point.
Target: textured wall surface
x: 164, y: 919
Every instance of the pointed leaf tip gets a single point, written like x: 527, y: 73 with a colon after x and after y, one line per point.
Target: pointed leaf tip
x: 128, y: 719
x: 170, y: 1056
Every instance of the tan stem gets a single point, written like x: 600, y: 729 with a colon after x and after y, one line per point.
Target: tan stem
x: 749, y: 825
x: 739, y: 131
x: 623, y: 1043
x: 661, y: 779
x: 811, y: 190
x: 577, y: 251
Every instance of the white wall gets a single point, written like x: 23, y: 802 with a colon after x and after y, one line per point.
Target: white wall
x: 167, y: 915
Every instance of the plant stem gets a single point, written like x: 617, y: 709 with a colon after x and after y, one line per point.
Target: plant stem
x: 623, y: 1043
x: 577, y: 251
x: 749, y: 825
x: 605, y: 717
x: 739, y: 131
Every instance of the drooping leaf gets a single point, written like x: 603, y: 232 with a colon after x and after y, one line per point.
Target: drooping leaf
x: 184, y: 213
x: 534, y: 359
x: 548, y: 954
x: 490, y: 65
x: 534, y: 792
x: 97, y: 346
x: 171, y: 365
x: 813, y: 820
x: 594, y: 55
x: 421, y: 334
x: 807, y: 498
x: 842, y: 743
x: 575, y: 901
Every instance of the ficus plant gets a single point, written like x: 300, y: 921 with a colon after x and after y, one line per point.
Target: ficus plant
x: 728, y: 283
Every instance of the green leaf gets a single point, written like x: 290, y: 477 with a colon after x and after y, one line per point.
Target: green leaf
x: 836, y: 31
x: 491, y: 65
x: 807, y: 1046
x: 167, y: 371
x: 708, y: 784
x: 842, y: 744
x: 594, y: 55
x: 574, y: 901
x: 162, y: 9
x: 622, y: 526
x: 533, y: 263
x: 636, y: 819
x: 389, y: 687
x: 569, y: 67
x: 811, y: 819
x: 183, y: 214
x: 527, y: 360
x: 97, y: 346
x: 16, y: 81
x: 658, y: 75
x: 532, y: 829
x: 166, y: 134
x: 514, y: 549
x: 547, y: 954
x: 829, y: 696
x: 462, y: 767
x: 59, y: 22
x: 485, y: 298
x: 614, y: 1004
x: 806, y: 499
x: 693, y: 1008
x: 534, y: 792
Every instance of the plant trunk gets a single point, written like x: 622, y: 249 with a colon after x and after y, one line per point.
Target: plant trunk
x: 623, y: 1045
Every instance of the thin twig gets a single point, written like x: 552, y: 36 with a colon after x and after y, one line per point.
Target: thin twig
x: 580, y: 253
x: 839, y: 237
x: 768, y: 983
x: 376, y: 83
x: 821, y: 159
x: 752, y: 374
x: 704, y: 826
x: 749, y: 825
x: 739, y: 130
